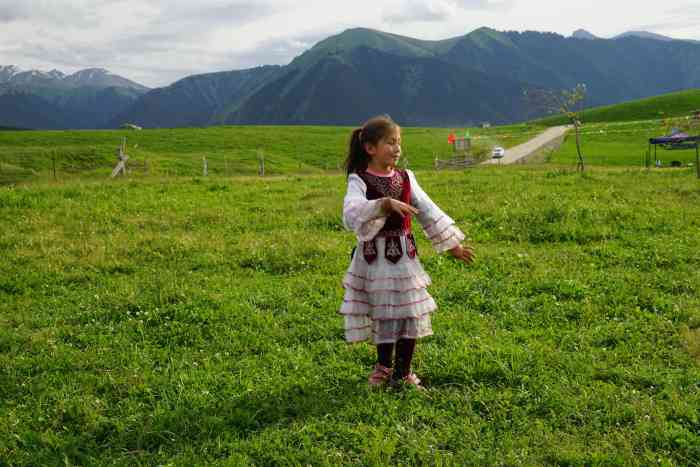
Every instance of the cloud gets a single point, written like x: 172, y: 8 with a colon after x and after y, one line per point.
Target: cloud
x: 156, y: 41
x: 686, y: 16
x: 213, y: 13
x: 13, y: 12
x: 276, y: 51
x: 71, y: 12
x: 439, y: 10
x: 687, y: 10
x: 421, y: 11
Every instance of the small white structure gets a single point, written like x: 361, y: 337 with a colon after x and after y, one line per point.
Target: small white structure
x: 130, y: 126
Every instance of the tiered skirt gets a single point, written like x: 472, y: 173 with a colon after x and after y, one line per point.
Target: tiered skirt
x: 385, y: 302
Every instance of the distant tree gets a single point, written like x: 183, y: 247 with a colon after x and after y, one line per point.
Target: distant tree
x: 567, y: 102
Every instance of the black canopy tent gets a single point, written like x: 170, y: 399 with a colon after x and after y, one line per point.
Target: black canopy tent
x: 676, y: 141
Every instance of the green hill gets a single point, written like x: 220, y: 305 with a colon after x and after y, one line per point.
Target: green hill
x: 675, y: 104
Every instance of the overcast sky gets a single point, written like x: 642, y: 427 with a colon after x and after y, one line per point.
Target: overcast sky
x: 157, y: 42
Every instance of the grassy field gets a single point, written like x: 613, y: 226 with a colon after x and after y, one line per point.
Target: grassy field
x: 676, y: 104
x: 230, y: 151
x: 620, y: 144
x: 192, y: 321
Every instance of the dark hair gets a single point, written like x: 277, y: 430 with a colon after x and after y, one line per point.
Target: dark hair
x: 371, y: 132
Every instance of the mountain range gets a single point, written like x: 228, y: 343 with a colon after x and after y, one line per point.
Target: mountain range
x: 89, y: 98
x: 342, y: 80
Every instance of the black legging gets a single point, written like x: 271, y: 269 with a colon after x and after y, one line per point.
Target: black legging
x: 404, y: 355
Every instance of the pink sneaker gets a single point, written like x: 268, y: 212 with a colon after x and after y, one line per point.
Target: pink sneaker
x: 410, y: 380
x: 379, y: 376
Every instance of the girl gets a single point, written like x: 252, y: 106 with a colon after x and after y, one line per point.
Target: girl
x: 385, y: 286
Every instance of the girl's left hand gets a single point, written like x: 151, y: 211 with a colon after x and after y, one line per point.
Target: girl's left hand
x: 463, y: 253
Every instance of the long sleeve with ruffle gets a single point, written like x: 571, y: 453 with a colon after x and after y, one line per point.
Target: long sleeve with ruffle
x: 362, y: 216
x: 438, y: 226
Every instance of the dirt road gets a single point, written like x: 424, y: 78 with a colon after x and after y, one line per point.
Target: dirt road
x: 546, y: 141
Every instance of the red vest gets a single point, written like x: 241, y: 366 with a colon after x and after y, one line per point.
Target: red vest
x: 398, y: 186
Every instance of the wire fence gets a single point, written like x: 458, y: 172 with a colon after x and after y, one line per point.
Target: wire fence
x: 20, y: 166
x: 64, y: 164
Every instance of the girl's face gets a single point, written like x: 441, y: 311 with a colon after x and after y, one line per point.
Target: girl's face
x: 386, y: 153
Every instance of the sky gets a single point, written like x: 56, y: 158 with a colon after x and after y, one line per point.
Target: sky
x: 157, y: 42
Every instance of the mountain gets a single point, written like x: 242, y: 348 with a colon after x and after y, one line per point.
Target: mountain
x: 196, y: 100
x: 341, y: 80
x: 583, y: 34
x: 644, y: 35
x: 348, y: 86
x: 22, y: 110
x: 101, y: 78
x: 53, y: 100
x: 613, y: 70
x: 348, y: 77
x: 479, y: 76
x: 11, y: 76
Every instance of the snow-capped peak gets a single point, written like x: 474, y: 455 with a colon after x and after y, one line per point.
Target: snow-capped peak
x: 56, y: 74
x: 9, y: 70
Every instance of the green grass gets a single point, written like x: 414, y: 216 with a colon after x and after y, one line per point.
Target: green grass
x: 190, y: 321
x: 676, y: 104
x: 31, y: 155
x: 619, y: 144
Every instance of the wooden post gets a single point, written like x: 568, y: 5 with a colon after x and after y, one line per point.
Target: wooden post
x: 123, y: 154
x: 53, y: 163
x: 205, y: 169
x: 261, y: 162
x: 121, y: 158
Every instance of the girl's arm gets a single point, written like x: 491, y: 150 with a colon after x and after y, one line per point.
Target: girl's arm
x: 365, y: 218
x: 438, y: 226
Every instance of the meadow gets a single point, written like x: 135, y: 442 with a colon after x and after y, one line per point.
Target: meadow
x: 230, y: 151
x: 621, y: 144
x: 671, y: 105
x: 165, y: 319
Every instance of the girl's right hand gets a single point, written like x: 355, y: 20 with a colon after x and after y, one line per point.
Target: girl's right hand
x: 390, y: 205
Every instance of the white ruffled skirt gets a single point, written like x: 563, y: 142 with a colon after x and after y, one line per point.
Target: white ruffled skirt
x: 384, y: 301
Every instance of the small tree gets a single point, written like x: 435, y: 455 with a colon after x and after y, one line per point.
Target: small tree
x: 564, y: 102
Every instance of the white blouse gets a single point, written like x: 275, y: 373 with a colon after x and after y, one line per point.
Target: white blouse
x: 366, y: 219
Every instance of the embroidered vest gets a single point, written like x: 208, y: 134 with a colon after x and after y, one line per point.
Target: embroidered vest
x: 398, y: 187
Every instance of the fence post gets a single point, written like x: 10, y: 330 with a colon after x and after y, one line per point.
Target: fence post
x: 261, y: 162
x: 53, y: 164
x: 205, y: 168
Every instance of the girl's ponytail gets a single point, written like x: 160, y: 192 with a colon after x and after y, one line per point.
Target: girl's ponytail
x: 358, y: 158
x: 371, y: 132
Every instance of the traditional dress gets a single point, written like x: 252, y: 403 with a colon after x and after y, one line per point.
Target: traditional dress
x: 386, y: 297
